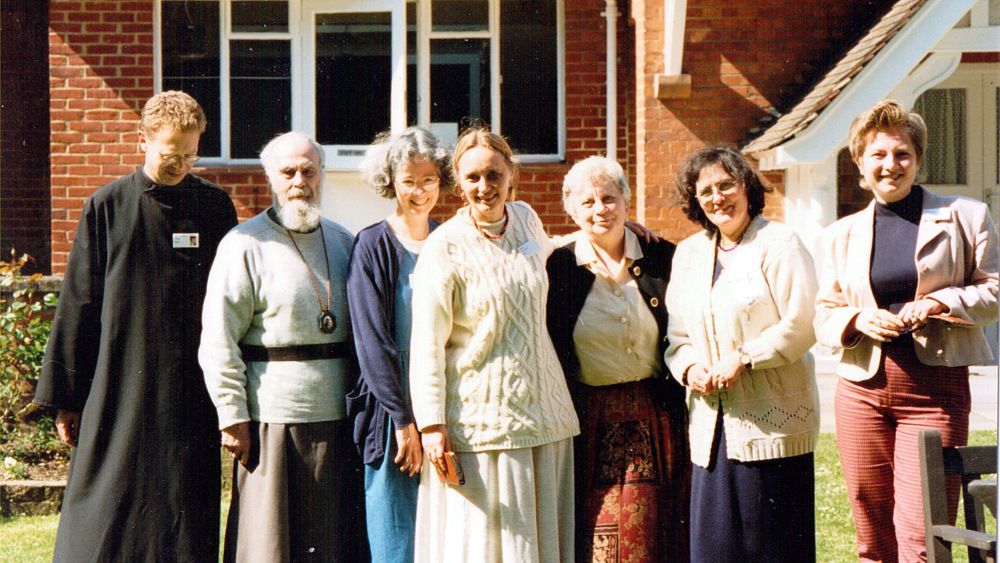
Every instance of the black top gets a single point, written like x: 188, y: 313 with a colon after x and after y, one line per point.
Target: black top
x: 894, y: 268
x: 569, y: 285
x: 144, y: 480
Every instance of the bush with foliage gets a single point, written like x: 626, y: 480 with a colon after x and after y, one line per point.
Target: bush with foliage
x: 26, y: 434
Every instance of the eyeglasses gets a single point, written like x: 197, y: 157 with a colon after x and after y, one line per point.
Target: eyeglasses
x: 428, y: 183
x: 175, y: 159
x: 724, y: 188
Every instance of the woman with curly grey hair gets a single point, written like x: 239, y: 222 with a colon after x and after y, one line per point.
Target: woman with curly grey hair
x: 412, y: 167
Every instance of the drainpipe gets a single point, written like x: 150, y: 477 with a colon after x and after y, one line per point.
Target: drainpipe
x: 611, y: 15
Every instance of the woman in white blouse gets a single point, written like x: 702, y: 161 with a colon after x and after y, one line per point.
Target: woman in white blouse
x: 608, y: 321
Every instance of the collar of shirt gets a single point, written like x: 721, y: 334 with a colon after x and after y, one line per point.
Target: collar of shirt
x: 587, y: 257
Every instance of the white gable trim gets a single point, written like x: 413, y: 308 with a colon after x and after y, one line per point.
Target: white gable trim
x: 879, y: 77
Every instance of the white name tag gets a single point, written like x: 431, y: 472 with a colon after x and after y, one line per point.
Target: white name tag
x: 186, y: 240
x: 529, y: 248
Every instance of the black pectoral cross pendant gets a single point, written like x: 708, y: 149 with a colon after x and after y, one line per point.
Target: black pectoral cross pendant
x: 327, y: 322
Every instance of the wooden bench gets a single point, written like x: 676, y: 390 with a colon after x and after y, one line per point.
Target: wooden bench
x: 969, y: 462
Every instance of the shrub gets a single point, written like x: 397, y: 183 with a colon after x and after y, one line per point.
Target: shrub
x: 26, y: 435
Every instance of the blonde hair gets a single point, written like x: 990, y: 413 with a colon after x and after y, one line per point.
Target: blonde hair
x: 172, y: 109
x: 598, y: 171
x: 481, y: 137
x: 887, y: 114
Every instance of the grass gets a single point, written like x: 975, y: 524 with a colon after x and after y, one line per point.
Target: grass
x: 30, y: 539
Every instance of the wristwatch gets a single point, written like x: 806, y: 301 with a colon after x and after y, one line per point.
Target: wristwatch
x: 745, y: 359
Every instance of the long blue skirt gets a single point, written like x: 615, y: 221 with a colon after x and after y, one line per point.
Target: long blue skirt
x: 754, y: 511
x: 391, y: 506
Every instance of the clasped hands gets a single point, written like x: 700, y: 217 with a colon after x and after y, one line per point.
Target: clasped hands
x: 883, y: 326
x: 717, y: 377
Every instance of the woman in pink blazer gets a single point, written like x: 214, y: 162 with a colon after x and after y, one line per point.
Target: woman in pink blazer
x: 905, y: 288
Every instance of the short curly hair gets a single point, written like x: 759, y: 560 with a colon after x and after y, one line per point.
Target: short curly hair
x: 735, y: 165
x: 172, y: 109
x: 388, y: 152
x: 596, y: 170
x: 884, y: 115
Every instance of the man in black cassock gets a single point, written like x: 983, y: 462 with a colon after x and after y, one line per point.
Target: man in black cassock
x: 121, y: 364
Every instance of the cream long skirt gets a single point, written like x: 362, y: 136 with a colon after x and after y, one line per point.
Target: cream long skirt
x: 516, y: 506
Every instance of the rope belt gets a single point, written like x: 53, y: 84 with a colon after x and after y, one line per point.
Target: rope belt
x: 300, y: 353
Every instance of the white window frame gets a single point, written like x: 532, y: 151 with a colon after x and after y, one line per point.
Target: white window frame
x: 301, y: 36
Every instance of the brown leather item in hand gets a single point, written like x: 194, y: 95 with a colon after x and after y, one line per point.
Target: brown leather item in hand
x: 452, y: 473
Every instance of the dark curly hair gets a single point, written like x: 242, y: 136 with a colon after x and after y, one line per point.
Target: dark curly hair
x: 735, y: 165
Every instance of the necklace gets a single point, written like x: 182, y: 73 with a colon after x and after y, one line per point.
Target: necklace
x: 718, y: 244
x: 491, y: 236
x: 327, y: 320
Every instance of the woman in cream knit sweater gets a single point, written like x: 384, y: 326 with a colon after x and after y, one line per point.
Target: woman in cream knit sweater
x: 741, y: 308
x: 485, y: 381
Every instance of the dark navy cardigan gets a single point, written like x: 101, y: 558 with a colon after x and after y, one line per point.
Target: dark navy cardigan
x: 371, y: 295
x: 569, y: 285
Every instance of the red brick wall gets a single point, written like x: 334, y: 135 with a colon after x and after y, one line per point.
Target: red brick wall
x: 745, y: 59
x: 100, y: 57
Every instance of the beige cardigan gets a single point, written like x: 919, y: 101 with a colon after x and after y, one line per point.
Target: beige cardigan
x: 956, y: 260
x: 764, y: 302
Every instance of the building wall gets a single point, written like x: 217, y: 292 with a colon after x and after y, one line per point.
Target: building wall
x: 746, y: 60
x: 24, y: 155
x: 101, y: 73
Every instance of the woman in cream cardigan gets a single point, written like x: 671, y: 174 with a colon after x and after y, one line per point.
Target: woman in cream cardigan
x: 485, y: 380
x: 906, y: 285
x: 741, y: 297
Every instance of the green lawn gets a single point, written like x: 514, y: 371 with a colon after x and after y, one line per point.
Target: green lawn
x: 30, y: 539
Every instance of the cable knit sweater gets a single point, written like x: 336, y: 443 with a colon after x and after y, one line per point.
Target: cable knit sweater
x: 259, y: 293
x: 763, y: 301
x: 481, y: 360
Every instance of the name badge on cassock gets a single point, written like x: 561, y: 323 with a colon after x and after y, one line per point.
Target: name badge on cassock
x: 186, y: 240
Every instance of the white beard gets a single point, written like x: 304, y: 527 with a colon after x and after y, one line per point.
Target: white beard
x: 299, y: 215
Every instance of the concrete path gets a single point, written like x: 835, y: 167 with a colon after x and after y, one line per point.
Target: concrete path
x: 982, y: 382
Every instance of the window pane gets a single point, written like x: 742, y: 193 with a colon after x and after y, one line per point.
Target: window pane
x: 460, y: 15
x: 411, y: 64
x: 945, y: 159
x: 353, y: 77
x: 528, y: 63
x: 460, y: 81
x: 260, y: 96
x: 190, y: 52
x: 260, y: 16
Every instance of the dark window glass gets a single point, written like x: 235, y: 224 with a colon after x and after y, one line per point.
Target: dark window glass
x: 528, y: 63
x: 460, y: 81
x: 260, y: 95
x: 190, y: 55
x: 353, y: 77
x: 460, y: 15
x: 260, y: 16
x: 944, y: 112
x: 411, y: 64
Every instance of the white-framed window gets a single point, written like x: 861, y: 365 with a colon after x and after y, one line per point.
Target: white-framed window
x: 963, y: 134
x: 343, y: 70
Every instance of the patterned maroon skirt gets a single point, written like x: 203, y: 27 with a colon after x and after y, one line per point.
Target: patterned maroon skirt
x: 632, y: 473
